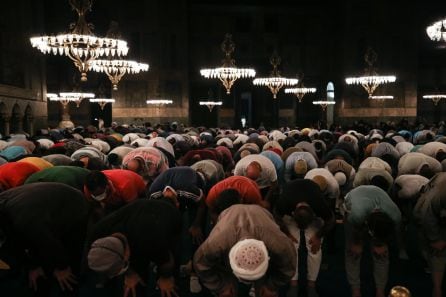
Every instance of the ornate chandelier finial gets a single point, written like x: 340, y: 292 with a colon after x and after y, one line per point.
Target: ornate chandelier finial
x: 275, y: 61
x: 228, y: 47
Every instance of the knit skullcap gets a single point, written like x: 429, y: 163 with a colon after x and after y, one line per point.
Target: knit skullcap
x: 249, y: 259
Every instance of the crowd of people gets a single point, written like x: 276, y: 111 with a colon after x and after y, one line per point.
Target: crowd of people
x: 129, y: 211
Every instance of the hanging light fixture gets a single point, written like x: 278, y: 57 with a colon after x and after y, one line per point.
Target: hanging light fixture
x: 159, y: 102
x: 102, y: 101
x: 382, y: 97
x: 275, y: 82
x: 228, y: 73
x: 437, y: 31
x: 371, y: 80
x: 65, y: 98
x: 115, y: 69
x: 324, y: 103
x: 300, y: 91
x: 435, y: 97
x: 80, y: 45
x: 211, y: 104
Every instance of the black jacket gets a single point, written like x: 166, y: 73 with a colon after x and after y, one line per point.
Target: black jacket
x: 48, y: 220
x: 152, y: 228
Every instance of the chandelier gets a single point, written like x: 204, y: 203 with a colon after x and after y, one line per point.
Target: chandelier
x: 324, y: 103
x: 66, y: 97
x: 435, y: 98
x: 80, y: 45
x: 300, y: 92
x: 102, y: 101
x: 228, y: 73
x: 275, y: 82
x: 115, y: 69
x: 211, y: 104
x: 159, y: 102
x: 437, y: 31
x: 371, y: 80
x: 382, y: 97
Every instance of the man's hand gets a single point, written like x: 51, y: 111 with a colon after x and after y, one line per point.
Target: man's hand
x: 167, y: 286
x: 267, y: 292
x: 438, y: 245
x: 33, y: 276
x: 131, y: 280
x: 65, y: 278
x: 315, y: 243
x: 197, y: 234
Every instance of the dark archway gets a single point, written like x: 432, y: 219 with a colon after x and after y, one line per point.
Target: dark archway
x: 16, y: 119
x: 28, y: 120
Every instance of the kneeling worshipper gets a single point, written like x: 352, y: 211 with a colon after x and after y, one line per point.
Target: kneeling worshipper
x: 245, y: 250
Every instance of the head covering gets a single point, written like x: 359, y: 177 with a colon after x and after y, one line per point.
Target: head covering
x: 340, y: 177
x: 106, y: 255
x: 399, y: 291
x: 249, y: 259
x: 321, y: 181
x: 300, y: 166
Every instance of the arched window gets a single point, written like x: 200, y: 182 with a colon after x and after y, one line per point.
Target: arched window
x: 330, y: 92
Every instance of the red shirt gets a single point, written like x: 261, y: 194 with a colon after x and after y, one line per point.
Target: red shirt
x: 248, y: 189
x: 126, y: 186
